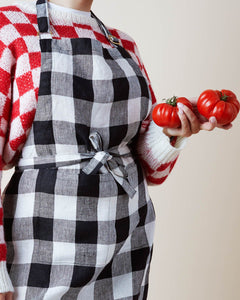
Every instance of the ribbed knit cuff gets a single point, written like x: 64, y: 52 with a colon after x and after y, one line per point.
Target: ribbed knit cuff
x: 5, y: 281
x: 155, y: 148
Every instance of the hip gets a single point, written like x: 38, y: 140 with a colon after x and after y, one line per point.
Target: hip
x: 63, y: 219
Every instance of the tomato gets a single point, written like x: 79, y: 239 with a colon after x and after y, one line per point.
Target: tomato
x: 223, y: 105
x: 166, y: 114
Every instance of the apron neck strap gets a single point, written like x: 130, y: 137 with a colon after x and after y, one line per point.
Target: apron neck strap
x: 44, y: 23
x: 43, y: 16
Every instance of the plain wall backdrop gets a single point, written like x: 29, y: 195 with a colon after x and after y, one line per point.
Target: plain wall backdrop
x: 188, y: 46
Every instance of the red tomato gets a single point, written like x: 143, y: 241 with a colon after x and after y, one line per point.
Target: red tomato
x: 221, y: 104
x: 166, y: 114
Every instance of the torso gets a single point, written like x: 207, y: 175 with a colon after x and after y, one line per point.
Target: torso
x: 26, y: 71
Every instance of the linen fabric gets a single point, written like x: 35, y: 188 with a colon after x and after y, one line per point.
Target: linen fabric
x: 73, y: 228
x: 20, y: 66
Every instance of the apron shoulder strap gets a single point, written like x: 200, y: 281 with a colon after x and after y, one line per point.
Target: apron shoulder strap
x: 112, y: 39
x: 43, y: 15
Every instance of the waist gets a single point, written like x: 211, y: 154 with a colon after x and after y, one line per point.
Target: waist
x: 71, y: 166
x: 97, y: 161
x: 69, y: 161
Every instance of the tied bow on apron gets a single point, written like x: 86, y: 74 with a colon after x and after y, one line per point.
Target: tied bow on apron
x: 101, y: 159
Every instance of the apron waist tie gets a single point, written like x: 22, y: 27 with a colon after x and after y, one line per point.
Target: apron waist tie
x: 99, y: 160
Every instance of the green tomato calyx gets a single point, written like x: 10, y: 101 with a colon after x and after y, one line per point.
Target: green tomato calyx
x: 224, y: 97
x: 172, y: 101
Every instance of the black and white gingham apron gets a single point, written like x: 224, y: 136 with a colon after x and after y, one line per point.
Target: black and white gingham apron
x: 78, y: 219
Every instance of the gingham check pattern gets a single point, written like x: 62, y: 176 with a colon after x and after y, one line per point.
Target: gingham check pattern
x: 72, y: 234
x: 20, y: 65
x: 88, y: 244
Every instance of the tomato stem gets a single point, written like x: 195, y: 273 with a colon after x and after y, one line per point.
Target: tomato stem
x: 224, y: 97
x: 172, y: 101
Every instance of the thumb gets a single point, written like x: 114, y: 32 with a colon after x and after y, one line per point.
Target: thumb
x: 171, y: 131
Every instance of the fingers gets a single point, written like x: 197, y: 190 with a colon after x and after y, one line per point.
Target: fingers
x: 9, y: 296
x: 193, y: 122
x: 170, y: 132
x: 210, y: 125
x: 189, y: 123
x: 185, y: 126
x: 226, y: 127
x: 6, y: 296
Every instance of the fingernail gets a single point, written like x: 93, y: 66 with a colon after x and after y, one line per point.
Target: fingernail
x: 180, y: 105
x: 213, y: 120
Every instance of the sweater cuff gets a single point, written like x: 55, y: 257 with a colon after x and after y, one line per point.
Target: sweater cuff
x: 155, y: 148
x: 5, y: 281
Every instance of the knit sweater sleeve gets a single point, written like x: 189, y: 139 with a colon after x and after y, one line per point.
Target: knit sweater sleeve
x: 7, y: 62
x: 156, y: 152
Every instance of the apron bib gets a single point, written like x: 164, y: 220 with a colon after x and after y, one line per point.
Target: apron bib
x: 78, y: 218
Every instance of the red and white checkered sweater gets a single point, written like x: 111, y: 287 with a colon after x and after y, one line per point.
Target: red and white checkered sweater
x: 20, y: 64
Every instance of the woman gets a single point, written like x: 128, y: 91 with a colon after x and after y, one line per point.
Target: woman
x: 77, y: 221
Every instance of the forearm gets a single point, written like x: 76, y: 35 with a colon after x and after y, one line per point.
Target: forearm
x: 157, y: 153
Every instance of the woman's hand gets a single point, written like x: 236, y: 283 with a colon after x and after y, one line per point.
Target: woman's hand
x: 6, y: 296
x: 192, y: 122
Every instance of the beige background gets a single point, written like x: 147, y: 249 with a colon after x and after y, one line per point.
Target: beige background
x: 188, y: 46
